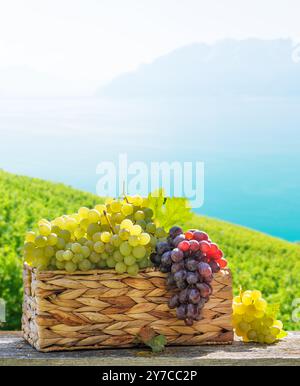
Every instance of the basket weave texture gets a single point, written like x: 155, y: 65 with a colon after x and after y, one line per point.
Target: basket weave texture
x: 102, y: 309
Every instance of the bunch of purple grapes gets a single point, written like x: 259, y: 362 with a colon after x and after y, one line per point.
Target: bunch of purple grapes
x: 190, y: 260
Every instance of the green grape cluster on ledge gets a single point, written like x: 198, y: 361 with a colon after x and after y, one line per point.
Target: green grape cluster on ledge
x: 120, y: 234
x: 254, y: 320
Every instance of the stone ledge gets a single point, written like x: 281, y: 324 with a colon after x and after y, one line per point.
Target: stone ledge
x: 14, y: 351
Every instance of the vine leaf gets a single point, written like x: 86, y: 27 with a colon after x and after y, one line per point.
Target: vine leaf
x: 169, y: 211
x: 156, y: 342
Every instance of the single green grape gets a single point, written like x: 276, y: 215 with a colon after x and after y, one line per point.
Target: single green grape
x: 248, y: 318
x: 126, y: 224
x: 41, y: 241
x: 55, y: 229
x: 96, y: 237
x: 151, y: 228
x: 85, y: 251
x: 39, y: 252
x: 115, y: 206
x: 105, y: 228
x: 120, y: 267
x: 72, y: 224
x: 139, y: 252
x: 116, y: 240
x: 142, y: 224
x: 60, y: 255
x: 84, y: 223
x: 30, y: 237
x: 79, y: 233
x: 68, y: 255
x: 104, y: 256
x: 244, y: 327
x: 133, y: 241
x: 70, y: 266
x: 60, y: 243
x: 127, y: 209
x: 153, y: 241
x: 137, y: 200
x: 106, y: 237
x: 274, y: 331
x: 103, y: 219
x: 29, y: 246
x: 260, y: 304
x: 94, y: 216
x: 60, y: 264
x: 124, y: 234
x: 99, y: 247
x: 125, y: 248
x: 269, y: 339
x: 89, y: 244
x: 251, y: 335
x: 45, y: 229
x: 83, y: 212
x: 268, y: 321
x: 59, y: 222
x: 95, y: 257
x: 133, y: 270
x: 247, y: 299
x: 84, y: 265
x: 49, y: 251
x: 76, y: 248
x: 144, y: 263
x: 102, y: 264
x: 65, y: 234
x: 109, y: 248
x: 118, y: 256
x: 239, y: 308
x: 136, y: 230
x: 148, y: 213
x: 144, y: 238
x: 117, y: 218
x: 111, y: 262
x: 93, y: 228
x: 77, y: 258
x: 100, y: 208
x: 129, y: 260
x: 52, y: 239
x: 139, y: 215
x: 82, y: 240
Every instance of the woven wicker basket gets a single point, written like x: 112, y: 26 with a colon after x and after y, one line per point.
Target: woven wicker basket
x: 100, y: 309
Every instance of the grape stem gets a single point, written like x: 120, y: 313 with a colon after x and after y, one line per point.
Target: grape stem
x: 124, y: 192
x: 108, y: 220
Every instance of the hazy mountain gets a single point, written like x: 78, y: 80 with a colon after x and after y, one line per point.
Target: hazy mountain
x: 230, y: 67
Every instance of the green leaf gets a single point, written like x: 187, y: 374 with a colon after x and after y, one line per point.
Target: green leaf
x: 169, y: 211
x: 147, y: 335
x: 157, y: 343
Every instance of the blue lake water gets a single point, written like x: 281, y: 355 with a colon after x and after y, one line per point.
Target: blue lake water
x: 250, y: 148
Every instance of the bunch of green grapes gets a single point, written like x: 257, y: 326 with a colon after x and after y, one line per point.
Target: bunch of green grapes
x: 253, y: 320
x: 119, y: 234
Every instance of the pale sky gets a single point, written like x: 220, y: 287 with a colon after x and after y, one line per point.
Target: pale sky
x: 88, y: 42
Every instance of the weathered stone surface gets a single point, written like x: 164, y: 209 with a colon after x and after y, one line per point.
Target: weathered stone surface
x: 14, y: 351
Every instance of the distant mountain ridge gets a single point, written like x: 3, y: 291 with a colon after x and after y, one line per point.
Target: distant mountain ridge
x: 230, y: 67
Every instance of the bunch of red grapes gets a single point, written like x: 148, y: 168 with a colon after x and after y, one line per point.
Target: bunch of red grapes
x: 190, y: 259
